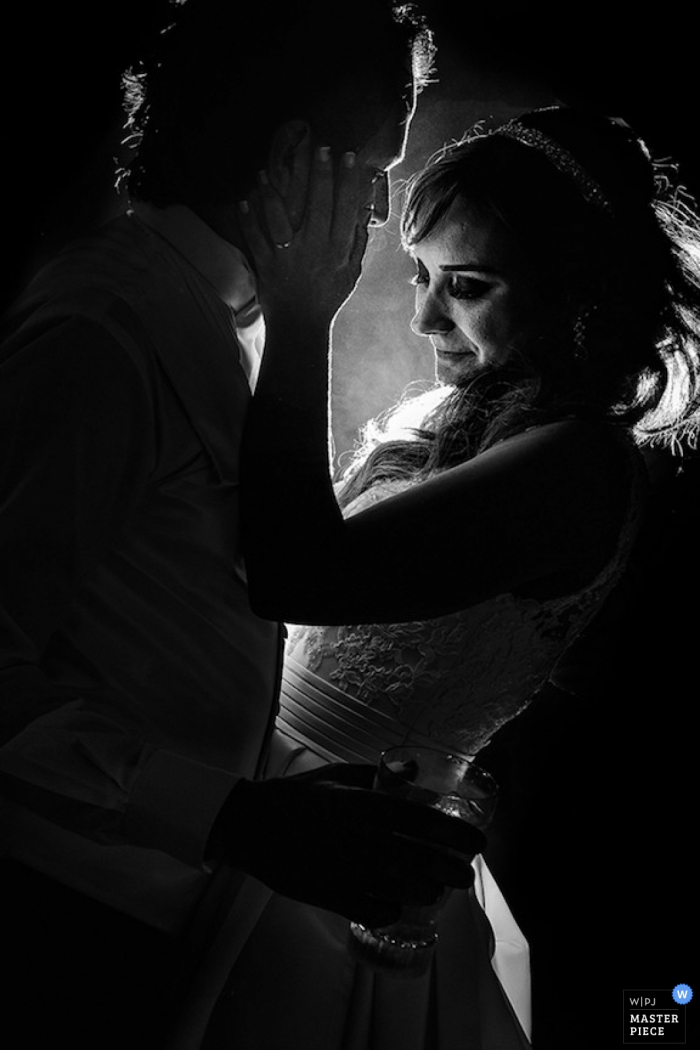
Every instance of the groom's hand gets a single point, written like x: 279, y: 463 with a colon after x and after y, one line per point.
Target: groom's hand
x: 325, y: 838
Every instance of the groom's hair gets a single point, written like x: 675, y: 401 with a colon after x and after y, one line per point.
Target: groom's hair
x: 203, y: 104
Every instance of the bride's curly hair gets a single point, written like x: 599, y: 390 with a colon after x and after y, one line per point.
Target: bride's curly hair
x: 614, y: 277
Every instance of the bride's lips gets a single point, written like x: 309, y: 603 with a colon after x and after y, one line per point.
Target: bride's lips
x: 444, y: 351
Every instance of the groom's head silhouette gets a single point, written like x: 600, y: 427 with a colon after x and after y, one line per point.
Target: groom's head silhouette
x: 230, y: 89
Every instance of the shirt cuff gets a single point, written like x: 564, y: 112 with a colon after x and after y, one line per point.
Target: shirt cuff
x: 174, y: 803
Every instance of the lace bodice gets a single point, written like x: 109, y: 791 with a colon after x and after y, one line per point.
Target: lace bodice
x: 456, y: 679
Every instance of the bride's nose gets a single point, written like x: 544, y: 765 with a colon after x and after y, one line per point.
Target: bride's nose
x: 430, y: 316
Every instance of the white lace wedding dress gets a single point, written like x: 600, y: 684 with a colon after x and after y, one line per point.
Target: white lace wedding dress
x: 349, y: 692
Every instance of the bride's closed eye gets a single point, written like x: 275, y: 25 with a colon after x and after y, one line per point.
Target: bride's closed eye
x: 464, y: 287
x: 460, y: 286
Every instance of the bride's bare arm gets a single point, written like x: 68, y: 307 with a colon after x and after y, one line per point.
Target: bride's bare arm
x: 538, y: 512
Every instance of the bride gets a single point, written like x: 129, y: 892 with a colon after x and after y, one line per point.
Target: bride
x: 474, y: 536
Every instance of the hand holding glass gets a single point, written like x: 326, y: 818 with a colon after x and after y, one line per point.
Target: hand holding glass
x: 446, y: 781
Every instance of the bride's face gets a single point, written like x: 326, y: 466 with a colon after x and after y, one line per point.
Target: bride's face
x: 471, y: 296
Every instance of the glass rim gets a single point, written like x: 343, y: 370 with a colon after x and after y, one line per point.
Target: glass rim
x: 448, y: 752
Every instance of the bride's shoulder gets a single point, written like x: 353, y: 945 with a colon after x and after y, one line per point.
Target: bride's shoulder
x: 595, y: 447
x: 569, y: 432
x: 586, y: 472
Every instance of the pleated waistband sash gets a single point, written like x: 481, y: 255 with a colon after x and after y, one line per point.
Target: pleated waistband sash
x: 335, y: 725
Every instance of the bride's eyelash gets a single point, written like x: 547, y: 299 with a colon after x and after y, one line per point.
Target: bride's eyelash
x: 460, y: 286
x: 467, y: 287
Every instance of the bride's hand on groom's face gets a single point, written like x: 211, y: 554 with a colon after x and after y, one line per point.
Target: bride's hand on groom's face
x: 309, y: 263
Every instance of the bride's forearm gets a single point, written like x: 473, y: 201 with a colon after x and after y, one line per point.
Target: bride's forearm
x: 288, y: 506
x: 295, y: 542
x: 288, y: 419
x: 297, y: 352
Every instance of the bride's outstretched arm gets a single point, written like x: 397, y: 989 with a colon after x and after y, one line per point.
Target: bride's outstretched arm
x: 542, y: 507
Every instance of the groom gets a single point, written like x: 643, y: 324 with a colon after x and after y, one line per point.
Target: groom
x: 138, y: 687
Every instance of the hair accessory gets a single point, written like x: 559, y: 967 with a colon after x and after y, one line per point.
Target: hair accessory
x: 561, y: 159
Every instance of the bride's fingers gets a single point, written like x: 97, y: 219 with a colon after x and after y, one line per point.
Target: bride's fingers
x: 273, y: 211
x: 319, y: 211
x: 298, y: 185
x: 351, y: 212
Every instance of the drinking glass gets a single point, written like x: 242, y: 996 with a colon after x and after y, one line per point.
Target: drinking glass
x: 446, y: 781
